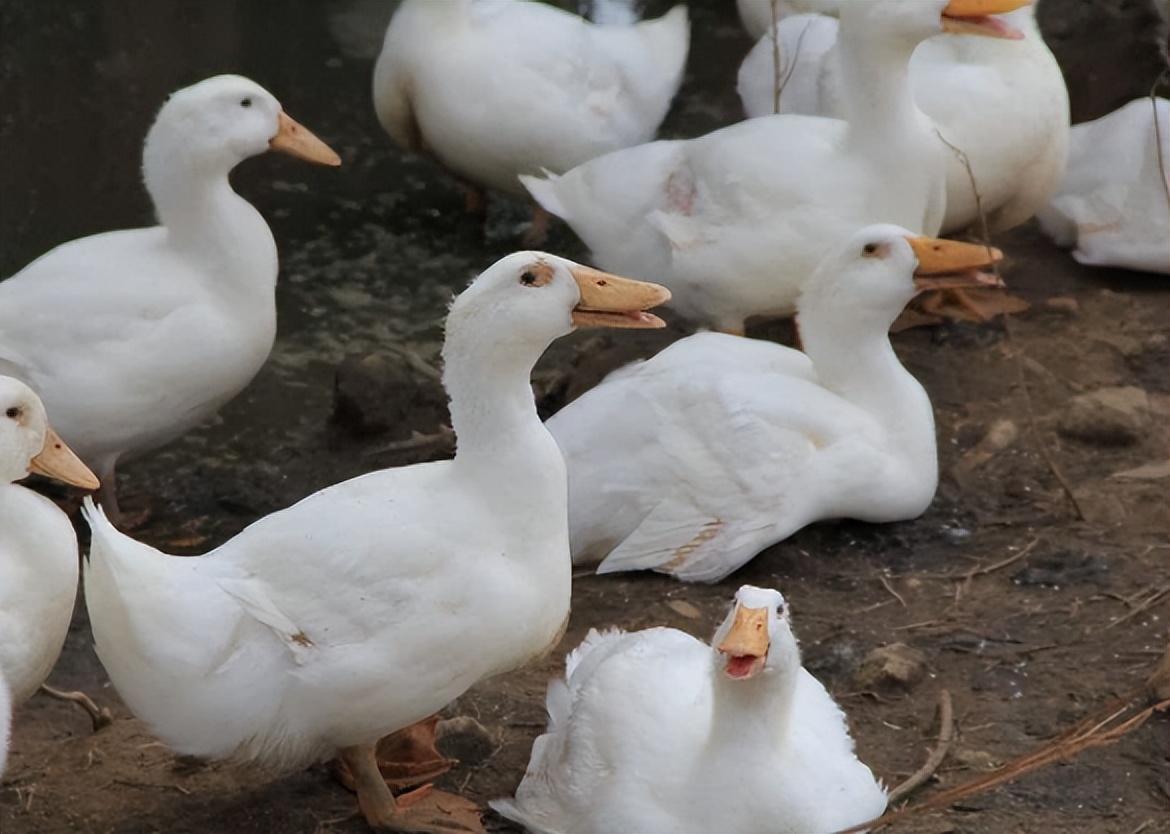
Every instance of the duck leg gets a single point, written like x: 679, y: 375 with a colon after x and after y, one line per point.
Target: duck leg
x: 406, y: 759
x: 108, y: 498
x: 100, y: 716
x: 422, y: 811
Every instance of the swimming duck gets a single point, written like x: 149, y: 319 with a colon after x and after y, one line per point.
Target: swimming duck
x: 1114, y: 202
x: 694, y: 461
x: 368, y: 606
x: 735, y: 222
x: 38, y: 549
x: 134, y: 337
x: 1017, y: 156
x: 658, y: 731
x: 496, y: 89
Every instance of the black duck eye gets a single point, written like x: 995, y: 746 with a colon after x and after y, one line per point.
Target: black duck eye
x: 13, y: 412
x: 870, y: 249
x: 246, y: 102
x: 528, y: 278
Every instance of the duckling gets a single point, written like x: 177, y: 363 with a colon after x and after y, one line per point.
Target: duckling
x: 134, y: 337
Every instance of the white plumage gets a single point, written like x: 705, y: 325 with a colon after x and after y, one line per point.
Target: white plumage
x: 655, y: 731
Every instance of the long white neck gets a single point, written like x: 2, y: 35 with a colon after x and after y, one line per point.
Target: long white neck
x: 850, y: 349
x: 878, y: 102
x: 744, y: 712
x: 206, y: 219
x: 501, y: 441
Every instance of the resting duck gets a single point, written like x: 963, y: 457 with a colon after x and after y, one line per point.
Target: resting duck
x: 38, y: 549
x: 1017, y: 155
x: 694, y: 461
x: 368, y: 606
x: 134, y: 337
x: 657, y: 731
x: 496, y: 89
x: 1114, y: 203
x: 736, y: 221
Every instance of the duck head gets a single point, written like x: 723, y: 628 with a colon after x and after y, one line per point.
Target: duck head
x: 880, y: 268
x: 755, y: 635
x: 221, y: 121
x: 534, y: 297
x: 29, y: 445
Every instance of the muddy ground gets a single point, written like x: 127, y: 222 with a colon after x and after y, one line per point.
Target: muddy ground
x: 1035, y: 587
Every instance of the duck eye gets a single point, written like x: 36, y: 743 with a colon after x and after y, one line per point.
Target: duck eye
x: 870, y: 249
x: 247, y: 102
x: 528, y: 278
x: 13, y: 412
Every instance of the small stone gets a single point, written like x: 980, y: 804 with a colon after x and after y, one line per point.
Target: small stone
x: 373, y: 395
x: 465, y: 739
x: 894, y: 666
x: 1106, y: 417
x: 1063, y: 306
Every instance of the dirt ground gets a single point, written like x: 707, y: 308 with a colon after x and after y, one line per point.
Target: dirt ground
x: 1035, y: 588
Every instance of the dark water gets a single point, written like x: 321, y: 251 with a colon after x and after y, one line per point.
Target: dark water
x: 370, y: 253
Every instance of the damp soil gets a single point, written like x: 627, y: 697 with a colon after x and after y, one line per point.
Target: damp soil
x: 1034, y: 590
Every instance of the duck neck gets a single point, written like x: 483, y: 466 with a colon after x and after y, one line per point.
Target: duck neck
x: 878, y: 101
x: 851, y: 352
x: 206, y: 220
x: 500, y: 438
x: 743, y: 712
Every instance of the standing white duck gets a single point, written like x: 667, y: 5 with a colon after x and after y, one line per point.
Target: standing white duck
x: 1017, y: 155
x: 134, y: 337
x: 656, y: 731
x: 736, y: 221
x: 368, y: 606
x: 694, y: 461
x: 38, y: 549
x: 496, y: 89
x: 1114, y: 202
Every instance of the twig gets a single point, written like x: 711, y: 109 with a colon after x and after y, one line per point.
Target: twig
x: 945, y: 737
x: 896, y: 595
x: 1105, y: 726
x: 971, y: 574
x: 1137, y: 609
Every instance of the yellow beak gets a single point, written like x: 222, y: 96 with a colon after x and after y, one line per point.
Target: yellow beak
x: 747, y: 642
x: 612, y: 301
x: 296, y: 140
x: 976, y: 17
x: 56, y: 460
x: 949, y: 264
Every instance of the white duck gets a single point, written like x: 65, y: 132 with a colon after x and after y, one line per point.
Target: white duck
x: 134, y: 337
x: 496, y: 89
x: 757, y: 16
x: 1114, y: 202
x: 1017, y: 156
x: 370, y: 605
x: 694, y: 461
x: 735, y: 222
x: 5, y: 722
x: 656, y: 731
x: 38, y: 549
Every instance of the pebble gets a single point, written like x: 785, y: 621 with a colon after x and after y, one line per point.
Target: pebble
x: 465, y: 739
x: 1106, y: 417
x: 896, y: 666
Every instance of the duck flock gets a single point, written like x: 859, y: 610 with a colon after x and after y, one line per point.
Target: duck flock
x: 367, y: 607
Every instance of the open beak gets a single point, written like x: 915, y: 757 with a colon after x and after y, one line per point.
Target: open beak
x: 56, y: 460
x: 975, y: 17
x: 610, y: 301
x: 949, y: 264
x: 296, y: 140
x: 746, y: 643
